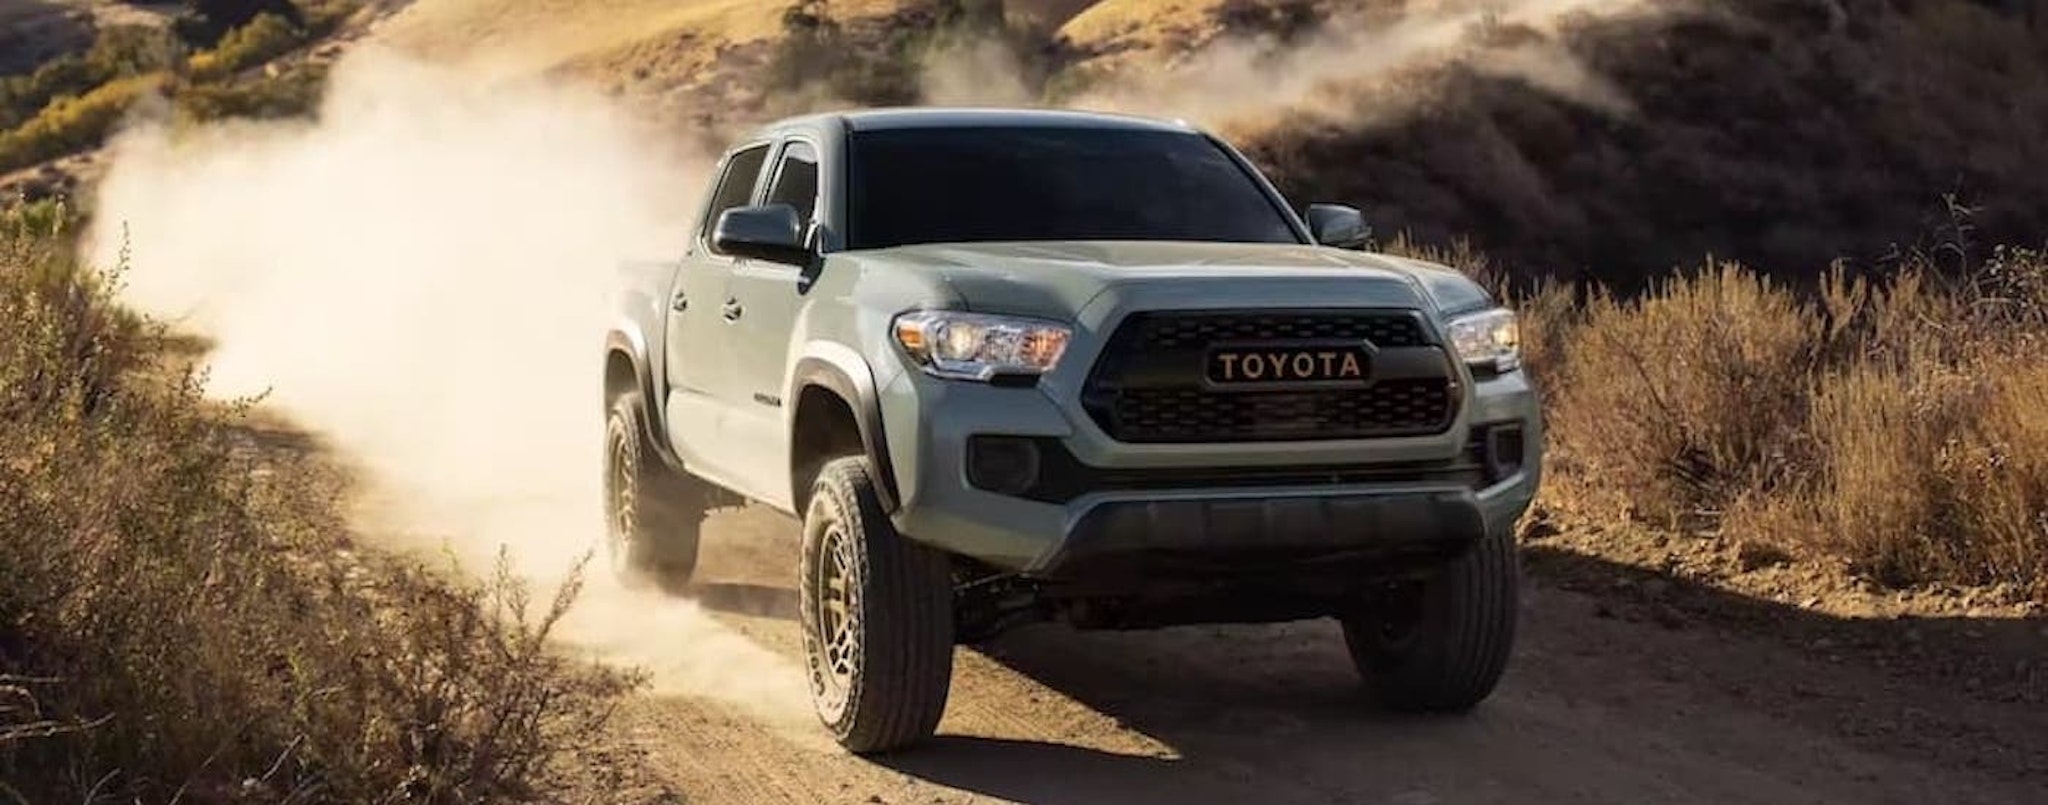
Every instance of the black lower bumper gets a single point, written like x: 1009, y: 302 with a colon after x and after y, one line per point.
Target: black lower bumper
x: 1141, y: 547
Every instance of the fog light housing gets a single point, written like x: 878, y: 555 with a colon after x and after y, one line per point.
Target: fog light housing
x: 1503, y: 451
x: 1004, y: 464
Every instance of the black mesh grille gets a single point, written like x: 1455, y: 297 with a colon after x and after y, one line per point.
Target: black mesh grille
x: 1148, y: 384
x: 1202, y: 329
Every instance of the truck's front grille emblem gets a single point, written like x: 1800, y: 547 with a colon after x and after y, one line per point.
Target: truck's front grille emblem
x: 1191, y: 377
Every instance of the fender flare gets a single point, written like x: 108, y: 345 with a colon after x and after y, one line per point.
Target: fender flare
x: 627, y: 340
x: 843, y: 372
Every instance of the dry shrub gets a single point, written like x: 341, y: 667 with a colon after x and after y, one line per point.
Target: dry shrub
x: 184, y: 615
x: 1875, y: 496
x: 1894, y: 425
x: 1932, y: 450
x: 1930, y: 472
x: 1675, y: 405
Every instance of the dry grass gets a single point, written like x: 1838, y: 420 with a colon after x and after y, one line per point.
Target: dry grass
x: 1707, y: 374
x: 185, y: 615
x: 1894, y: 426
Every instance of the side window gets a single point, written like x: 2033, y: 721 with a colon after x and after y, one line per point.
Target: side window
x: 796, y: 181
x: 735, y: 188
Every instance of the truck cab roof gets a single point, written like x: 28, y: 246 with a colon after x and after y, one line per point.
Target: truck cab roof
x: 940, y: 117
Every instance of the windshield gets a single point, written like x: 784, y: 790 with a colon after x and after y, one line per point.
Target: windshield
x: 951, y: 185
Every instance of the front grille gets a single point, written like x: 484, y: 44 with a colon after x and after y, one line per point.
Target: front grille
x: 1202, y: 329
x: 1148, y: 386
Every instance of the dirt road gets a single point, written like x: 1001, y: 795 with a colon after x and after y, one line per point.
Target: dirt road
x: 1601, y: 706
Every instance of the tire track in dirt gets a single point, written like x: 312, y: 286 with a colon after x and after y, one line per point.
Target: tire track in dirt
x: 1595, y: 709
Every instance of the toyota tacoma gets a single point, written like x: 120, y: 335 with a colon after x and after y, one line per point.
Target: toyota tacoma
x: 1008, y: 366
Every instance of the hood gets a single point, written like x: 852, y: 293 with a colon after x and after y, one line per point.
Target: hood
x: 1058, y: 279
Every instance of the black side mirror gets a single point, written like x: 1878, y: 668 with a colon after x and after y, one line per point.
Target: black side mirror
x: 770, y: 232
x: 1339, y: 226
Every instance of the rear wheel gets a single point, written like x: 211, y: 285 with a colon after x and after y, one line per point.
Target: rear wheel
x: 652, y: 513
x: 1442, y: 644
x: 877, y: 612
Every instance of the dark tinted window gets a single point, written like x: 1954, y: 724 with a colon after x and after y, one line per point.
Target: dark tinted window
x: 1031, y: 183
x: 796, y: 182
x: 737, y: 186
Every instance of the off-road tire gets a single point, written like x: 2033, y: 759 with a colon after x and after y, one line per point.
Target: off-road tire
x: 652, y: 513
x: 1455, y: 632
x: 895, y: 638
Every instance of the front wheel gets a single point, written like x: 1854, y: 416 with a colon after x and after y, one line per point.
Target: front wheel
x: 652, y: 513
x: 877, y: 612
x: 1441, y: 645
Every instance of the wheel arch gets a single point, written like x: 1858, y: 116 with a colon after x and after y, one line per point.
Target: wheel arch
x: 626, y: 370
x: 833, y: 381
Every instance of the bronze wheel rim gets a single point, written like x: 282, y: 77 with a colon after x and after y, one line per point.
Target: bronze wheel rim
x: 622, y: 493
x: 835, y: 655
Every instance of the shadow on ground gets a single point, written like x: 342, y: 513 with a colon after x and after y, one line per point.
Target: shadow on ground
x: 1628, y: 685
x: 1688, y: 694
x: 1041, y: 771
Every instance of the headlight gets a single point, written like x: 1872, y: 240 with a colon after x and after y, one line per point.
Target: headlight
x: 1488, y: 340
x: 974, y: 346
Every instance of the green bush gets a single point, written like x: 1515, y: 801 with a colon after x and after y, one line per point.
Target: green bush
x: 820, y: 59
x: 44, y: 218
x: 73, y: 103
x: 118, y: 52
x: 72, y: 124
x: 205, y: 22
x: 292, y: 93
x: 266, y: 37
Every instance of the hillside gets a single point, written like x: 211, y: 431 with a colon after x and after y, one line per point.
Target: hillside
x: 1610, y: 140
x: 34, y: 32
x: 1782, y: 134
x: 1577, y: 138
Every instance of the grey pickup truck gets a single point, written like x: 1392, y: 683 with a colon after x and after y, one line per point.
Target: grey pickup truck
x: 1010, y: 366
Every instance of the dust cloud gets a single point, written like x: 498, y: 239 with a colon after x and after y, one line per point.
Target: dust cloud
x: 423, y: 277
x: 1359, y: 71
x: 979, y: 72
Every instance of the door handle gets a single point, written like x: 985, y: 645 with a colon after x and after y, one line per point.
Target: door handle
x: 680, y: 303
x: 731, y: 310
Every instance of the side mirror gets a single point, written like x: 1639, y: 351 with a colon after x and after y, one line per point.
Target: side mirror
x: 1339, y: 226
x: 771, y: 232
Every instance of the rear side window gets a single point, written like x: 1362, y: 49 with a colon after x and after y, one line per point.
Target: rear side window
x: 735, y: 188
x: 796, y: 181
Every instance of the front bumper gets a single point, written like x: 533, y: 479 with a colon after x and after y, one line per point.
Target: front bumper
x: 930, y: 423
